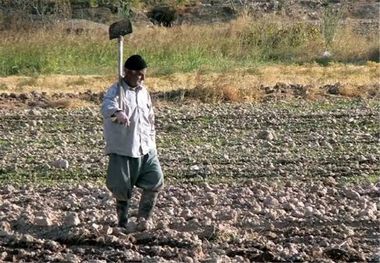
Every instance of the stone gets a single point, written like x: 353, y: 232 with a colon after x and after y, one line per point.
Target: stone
x: 43, y: 221
x: 144, y: 224
x: 52, y: 245
x: 72, y: 258
x: 351, y: 194
x: 194, y: 168
x: 270, y: 201
x: 309, y: 211
x: 72, y: 219
x: 188, y: 260
x: 61, y: 163
x: 267, y: 135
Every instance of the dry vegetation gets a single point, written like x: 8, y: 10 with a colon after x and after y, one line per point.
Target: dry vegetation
x: 235, y: 85
x: 242, y: 44
x: 228, y: 62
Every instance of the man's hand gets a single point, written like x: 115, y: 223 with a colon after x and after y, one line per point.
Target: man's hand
x: 122, y: 118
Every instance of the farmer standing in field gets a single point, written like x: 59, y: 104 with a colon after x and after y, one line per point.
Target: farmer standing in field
x: 130, y: 143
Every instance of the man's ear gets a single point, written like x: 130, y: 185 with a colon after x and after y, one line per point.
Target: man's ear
x: 125, y: 71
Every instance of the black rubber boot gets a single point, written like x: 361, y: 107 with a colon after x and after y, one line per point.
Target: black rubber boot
x: 122, y: 213
x: 146, y: 207
x: 147, y: 203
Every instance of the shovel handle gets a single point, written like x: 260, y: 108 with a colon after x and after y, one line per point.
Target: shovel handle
x: 120, y: 74
x: 120, y: 67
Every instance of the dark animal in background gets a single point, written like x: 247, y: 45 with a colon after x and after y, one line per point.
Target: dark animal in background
x: 163, y: 15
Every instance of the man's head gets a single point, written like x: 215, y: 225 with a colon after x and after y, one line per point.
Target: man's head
x: 135, y: 70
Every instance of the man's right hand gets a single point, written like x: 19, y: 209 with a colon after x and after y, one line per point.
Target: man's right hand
x: 122, y: 118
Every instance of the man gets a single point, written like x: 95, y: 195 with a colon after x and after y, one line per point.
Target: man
x: 130, y: 143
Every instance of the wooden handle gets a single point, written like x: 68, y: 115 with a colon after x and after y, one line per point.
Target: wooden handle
x: 120, y: 67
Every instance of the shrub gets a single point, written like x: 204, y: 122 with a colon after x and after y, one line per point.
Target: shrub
x: 373, y: 54
x: 329, y: 25
x: 280, y: 40
x: 351, y: 47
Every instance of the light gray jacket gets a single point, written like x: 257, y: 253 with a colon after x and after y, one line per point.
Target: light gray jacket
x: 138, y: 138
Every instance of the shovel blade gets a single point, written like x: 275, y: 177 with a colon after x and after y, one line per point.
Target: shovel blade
x: 120, y: 28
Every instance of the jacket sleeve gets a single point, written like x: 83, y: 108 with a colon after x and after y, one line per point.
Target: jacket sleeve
x: 110, y: 102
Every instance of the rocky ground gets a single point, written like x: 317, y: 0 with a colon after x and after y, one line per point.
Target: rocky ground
x: 281, y: 181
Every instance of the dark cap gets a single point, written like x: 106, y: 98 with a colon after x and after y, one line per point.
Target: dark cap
x: 135, y: 62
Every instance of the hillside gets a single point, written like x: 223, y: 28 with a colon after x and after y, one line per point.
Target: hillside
x: 18, y: 14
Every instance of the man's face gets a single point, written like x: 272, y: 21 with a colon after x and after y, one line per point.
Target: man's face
x: 134, y: 78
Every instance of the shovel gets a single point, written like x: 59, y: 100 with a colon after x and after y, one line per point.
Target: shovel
x: 118, y: 30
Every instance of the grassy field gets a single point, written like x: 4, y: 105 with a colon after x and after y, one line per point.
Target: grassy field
x: 241, y: 44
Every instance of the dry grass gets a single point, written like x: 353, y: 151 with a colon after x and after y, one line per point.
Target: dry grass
x: 270, y: 75
x: 238, y: 85
x: 55, y: 83
x: 348, y: 46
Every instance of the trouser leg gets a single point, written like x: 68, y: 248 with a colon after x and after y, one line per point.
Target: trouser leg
x: 119, y: 175
x: 122, y: 212
x: 151, y: 181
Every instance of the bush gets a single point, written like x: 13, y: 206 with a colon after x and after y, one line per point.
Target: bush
x: 350, y: 47
x: 374, y: 54
x: 330, y: 23
x: 279, y: 40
